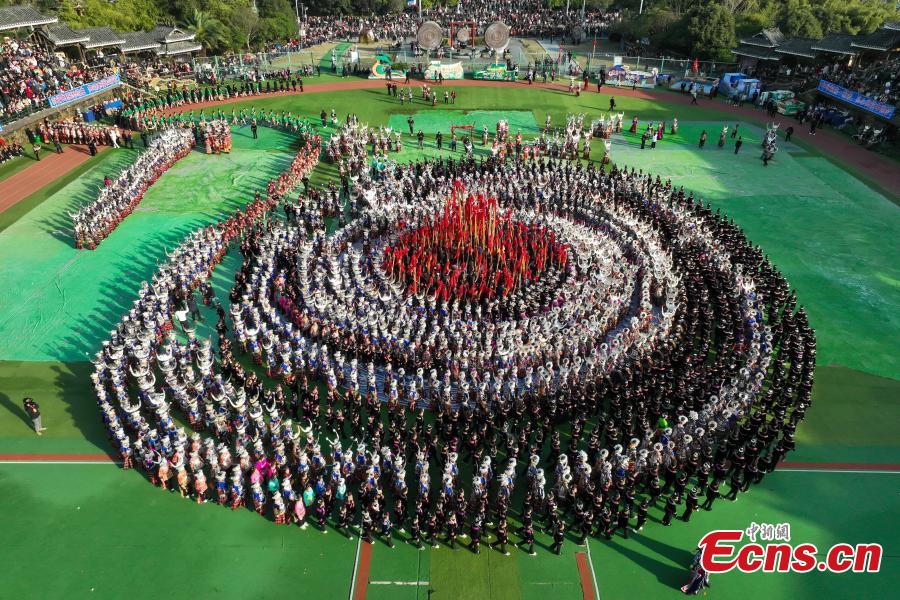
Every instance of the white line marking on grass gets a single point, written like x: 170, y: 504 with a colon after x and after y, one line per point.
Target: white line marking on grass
x: 355, y: 566
x: 398, y: 583
x: 782, y: 470
x: 587, y: 545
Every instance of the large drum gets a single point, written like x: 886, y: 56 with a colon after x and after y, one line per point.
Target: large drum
x: 430, y: 35
x: 496, y: 36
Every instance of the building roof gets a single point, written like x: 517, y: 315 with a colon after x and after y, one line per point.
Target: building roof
x: 60, y: 34
x: 167, y: 34
x: 767, y: 38
x: 139, y: 41
x: 893, y: 25
x: 798, y: 46
x: 179, y: 48
x: 758, y: 52
x: 101, y: 37
x: 884, y: 40
x: 836, y: 43
x: 14, y: 17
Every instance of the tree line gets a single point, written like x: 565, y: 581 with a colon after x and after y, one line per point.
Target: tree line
x: 701, y: 28
x: 710, y: 28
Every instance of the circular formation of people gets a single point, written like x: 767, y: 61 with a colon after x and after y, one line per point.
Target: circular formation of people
x: 480, y: 350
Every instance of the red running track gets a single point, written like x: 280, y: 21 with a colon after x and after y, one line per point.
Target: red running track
x: 51, y: 167
x: 362, y: 571
x: 584, y: 573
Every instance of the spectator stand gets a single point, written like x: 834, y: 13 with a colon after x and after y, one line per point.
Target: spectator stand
x: 48, y: 57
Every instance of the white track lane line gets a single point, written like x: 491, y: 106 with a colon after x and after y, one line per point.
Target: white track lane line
x: 593, y: 574
x: 355, y: 566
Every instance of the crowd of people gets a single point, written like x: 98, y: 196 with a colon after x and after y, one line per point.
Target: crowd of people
x: 30, y: 74
x: 348, y: 146
x: 216, y: 134
x: 70, y: 131
x: 528, y: 18
x: 469, y: 251
x: 117, y: 199
x: 10, y: 150
x: 666, y: 345
x: 531, y: 18
x: 326, y: 28
x: 879, y: 80
x: 142, y: 112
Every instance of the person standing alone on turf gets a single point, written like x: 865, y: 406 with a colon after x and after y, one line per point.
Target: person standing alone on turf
x: 703, y: 139
x: 738, y: 144
x: 559, y: 535
x: 254, y: 128
x: 34, y: 413
x: 612, y: 103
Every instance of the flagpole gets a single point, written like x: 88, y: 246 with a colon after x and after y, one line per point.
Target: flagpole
x: 593, y: 49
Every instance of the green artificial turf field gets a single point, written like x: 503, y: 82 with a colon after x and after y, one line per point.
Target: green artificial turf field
x: 92, y: 530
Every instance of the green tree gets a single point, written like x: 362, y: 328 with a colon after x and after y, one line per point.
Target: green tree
x: 711, y: 28
x: 246, y: 21
x: 210, y: 31
x: 747, y: 24
x: 120, y: 15
x: 853, y: 16
x: 798, y: 19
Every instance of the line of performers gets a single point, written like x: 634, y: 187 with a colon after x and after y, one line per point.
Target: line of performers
x: 117, y: 199
x: 656, y: 131
x: 152, y: 119
x: 71, y: 132
x: 175, y: 97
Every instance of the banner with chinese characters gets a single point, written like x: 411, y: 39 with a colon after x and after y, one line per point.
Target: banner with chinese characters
x: 83, y: 91
x: 882, y: 109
